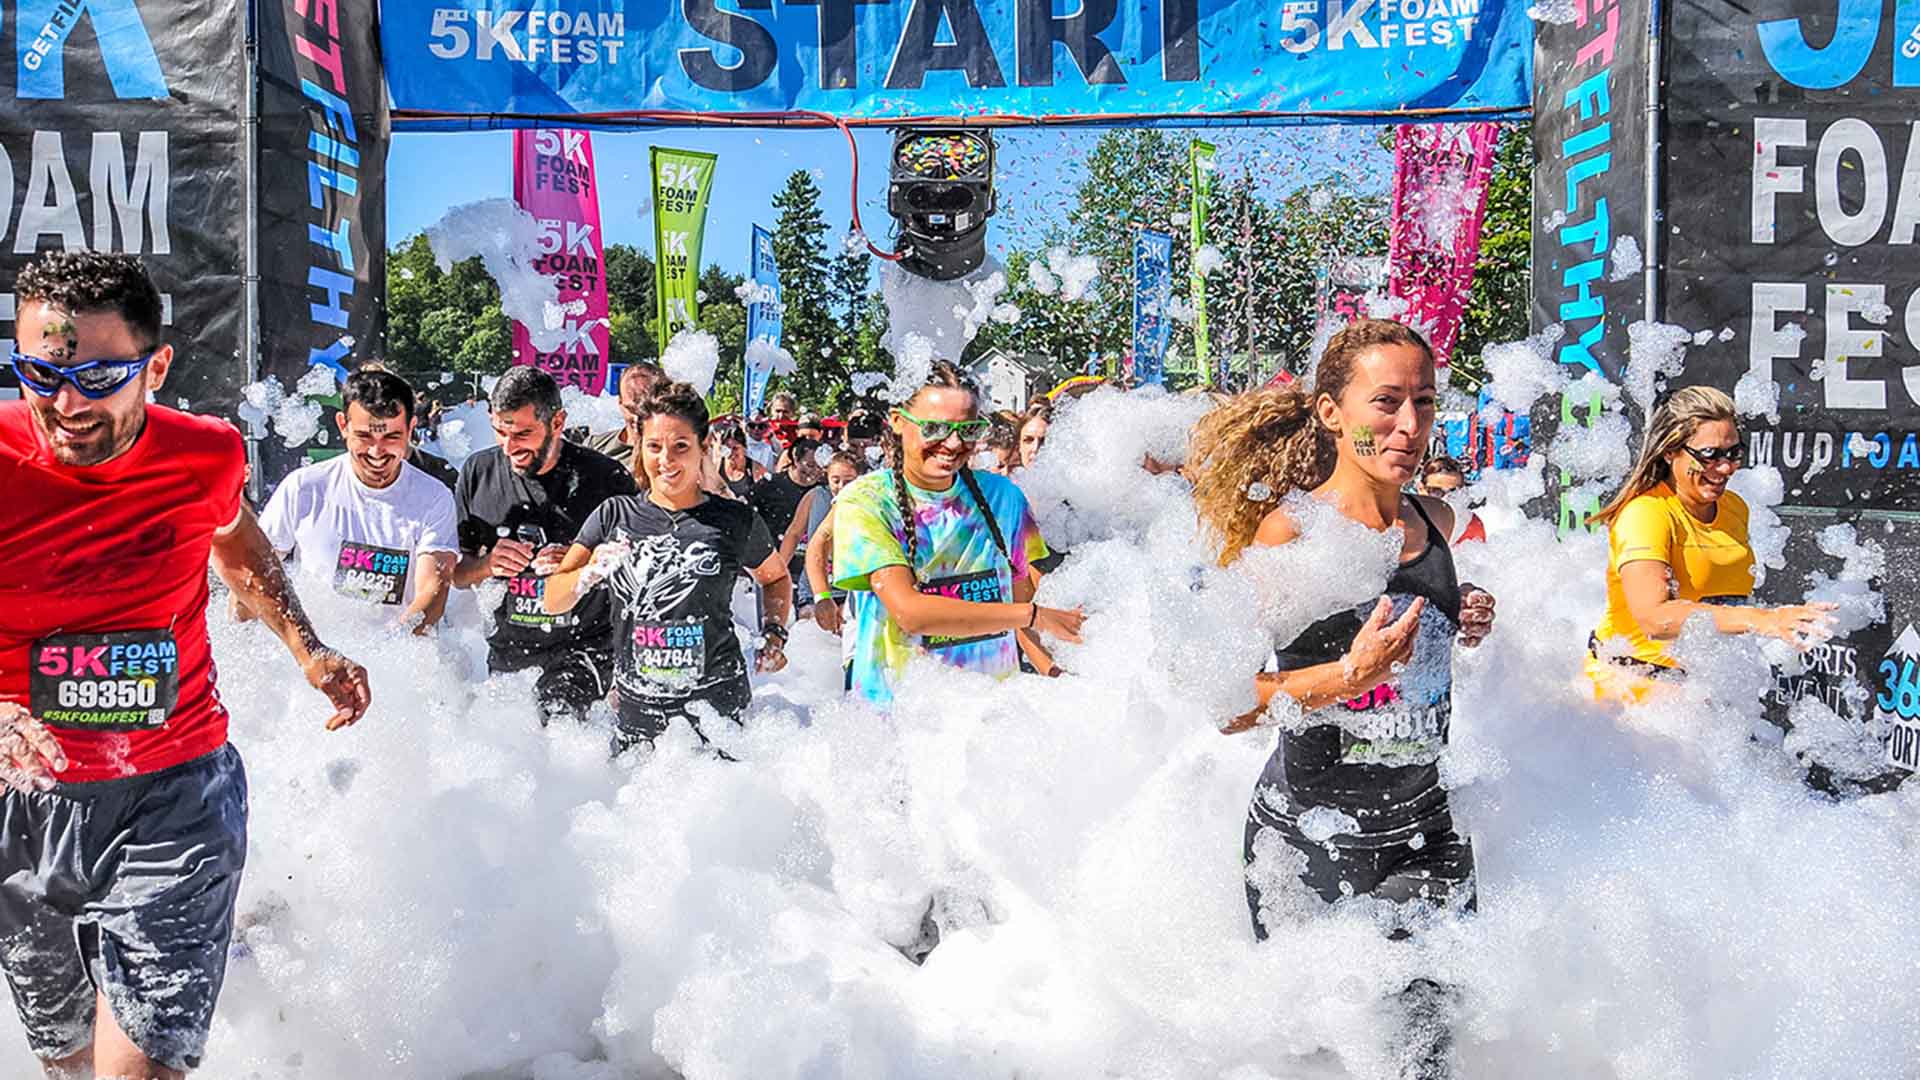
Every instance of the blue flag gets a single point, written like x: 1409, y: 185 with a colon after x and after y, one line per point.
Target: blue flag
x: 1152, y: 297
x: 763, y: 319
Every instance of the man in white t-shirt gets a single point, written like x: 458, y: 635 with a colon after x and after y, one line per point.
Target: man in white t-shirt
x: 369, y: 524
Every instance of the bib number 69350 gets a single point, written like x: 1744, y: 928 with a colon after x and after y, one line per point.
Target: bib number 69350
x: 118, y: 694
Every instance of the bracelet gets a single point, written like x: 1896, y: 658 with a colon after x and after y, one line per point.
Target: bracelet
x: 773, y: 630
x: 823, y: 596
x: 1034, y: 617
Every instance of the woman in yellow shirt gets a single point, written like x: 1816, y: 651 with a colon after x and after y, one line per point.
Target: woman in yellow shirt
x: 1678, y: 547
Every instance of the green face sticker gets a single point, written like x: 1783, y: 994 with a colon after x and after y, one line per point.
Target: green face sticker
x: 63, y: 342
x: 1363, y: 441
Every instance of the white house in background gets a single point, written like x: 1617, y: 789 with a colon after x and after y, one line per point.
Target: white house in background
x: 1011, y: 381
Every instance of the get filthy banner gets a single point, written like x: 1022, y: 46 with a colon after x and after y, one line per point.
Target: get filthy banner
x: 554, y: 180
x: 681, y: 180
x: 498, y: 61
x: 120, y: 131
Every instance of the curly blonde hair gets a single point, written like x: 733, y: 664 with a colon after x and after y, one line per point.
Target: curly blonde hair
x: 1271, y: 437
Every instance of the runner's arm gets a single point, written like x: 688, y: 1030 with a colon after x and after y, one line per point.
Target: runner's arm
x: 920, y: 614
x: 560, y: 595
x: 797, y: 528
x: 819, y: 554
x: 776, y: 586
x: 244, y: 558
x: 430, y: 595
x: 1037, y: 654
x: 1645, y: 581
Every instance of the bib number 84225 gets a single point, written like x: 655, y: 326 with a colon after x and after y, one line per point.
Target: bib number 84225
x: 118, y: 694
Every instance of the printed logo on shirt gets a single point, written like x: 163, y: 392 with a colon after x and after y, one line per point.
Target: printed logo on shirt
x: 977, y: 588
x: 127, y: 680
x: 375, y: 574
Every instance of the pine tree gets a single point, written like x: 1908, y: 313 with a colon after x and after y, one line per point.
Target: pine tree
x: 807, y: 330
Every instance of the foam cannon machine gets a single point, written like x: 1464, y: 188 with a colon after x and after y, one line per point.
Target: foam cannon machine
x: 1751, y: 173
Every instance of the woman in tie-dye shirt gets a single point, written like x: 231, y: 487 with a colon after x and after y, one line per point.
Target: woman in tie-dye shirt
x: 949, y: 576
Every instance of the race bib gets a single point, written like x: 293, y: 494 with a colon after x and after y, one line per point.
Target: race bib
x: 526, y: 605
x: 670, y: 653
x: 980, y: 588
x: 1382, y: 727
x: 375, y: 574
x: 128, y: 680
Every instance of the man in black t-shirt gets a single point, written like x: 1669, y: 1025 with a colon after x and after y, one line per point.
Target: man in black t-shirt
x: 519, y: 505
x: 778, y: 496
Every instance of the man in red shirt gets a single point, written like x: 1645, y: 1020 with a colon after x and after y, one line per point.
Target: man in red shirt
x: 124, y: 808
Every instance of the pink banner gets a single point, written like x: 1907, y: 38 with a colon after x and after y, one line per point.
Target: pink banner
x: 554, y: 180
x: 1439, y: 200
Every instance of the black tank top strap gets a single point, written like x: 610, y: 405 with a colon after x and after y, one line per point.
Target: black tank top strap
x: 1434, y: 535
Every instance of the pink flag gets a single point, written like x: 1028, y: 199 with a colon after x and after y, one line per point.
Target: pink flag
x: 554, y: 180
x: 1440, y: 174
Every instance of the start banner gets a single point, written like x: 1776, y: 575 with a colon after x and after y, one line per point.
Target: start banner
x: 505, y: 62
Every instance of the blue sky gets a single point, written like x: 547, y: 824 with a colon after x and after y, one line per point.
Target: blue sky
x: 1037, y: 172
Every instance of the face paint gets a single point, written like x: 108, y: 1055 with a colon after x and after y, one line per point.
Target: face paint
x: 68, y: 344
x: 1363, y: 441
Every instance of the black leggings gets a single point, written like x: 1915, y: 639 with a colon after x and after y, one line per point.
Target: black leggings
x: 643, y: 719
x: 571, y: 679
x: 1437, y: 871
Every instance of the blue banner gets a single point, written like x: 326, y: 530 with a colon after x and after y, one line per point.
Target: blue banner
x: 763, y: 319
x: 455, y: 63
x: 1152, y: 300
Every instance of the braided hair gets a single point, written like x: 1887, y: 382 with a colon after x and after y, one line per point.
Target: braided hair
x: 942, y: 376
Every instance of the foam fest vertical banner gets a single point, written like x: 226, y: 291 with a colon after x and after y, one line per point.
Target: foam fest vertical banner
x: 681, y: 181
x: 322, y: 186
x: 1152, y: 299
x: 764, y: 320
x: 1589, y: 202
x: 554, y: 180
x: 1440, y: 174
x: 1200, y: 157
x: 120, y: 131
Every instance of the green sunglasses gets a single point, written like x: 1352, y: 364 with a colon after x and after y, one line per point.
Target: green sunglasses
x: 937, y: 431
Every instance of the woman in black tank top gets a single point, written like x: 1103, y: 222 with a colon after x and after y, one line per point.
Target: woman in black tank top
x: 1351, y: 804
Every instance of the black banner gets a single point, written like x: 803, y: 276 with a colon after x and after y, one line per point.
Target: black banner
x: 1589, y: 203
x: 122, y: 133
x: 1794, y: 206
x: 322, y: 189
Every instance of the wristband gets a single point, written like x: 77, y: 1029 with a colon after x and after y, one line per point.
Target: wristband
x: 823, y: 596
x: 774, y: 630
x: 1034, y: 615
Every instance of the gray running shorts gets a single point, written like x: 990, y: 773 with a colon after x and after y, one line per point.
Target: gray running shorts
x: 126, y: 886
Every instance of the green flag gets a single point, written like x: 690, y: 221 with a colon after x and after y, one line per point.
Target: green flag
x: 681, y: 180
x: 1200, y: 156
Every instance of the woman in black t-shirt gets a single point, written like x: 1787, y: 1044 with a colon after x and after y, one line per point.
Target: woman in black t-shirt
x: 670, y: 558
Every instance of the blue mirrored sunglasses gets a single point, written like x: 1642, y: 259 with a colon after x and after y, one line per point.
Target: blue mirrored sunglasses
x: 94, y: 379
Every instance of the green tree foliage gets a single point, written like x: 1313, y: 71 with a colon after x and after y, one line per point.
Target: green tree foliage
x: 443, y: 321
x: 807, y: 328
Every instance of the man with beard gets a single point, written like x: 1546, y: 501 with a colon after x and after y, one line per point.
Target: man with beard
x: 519, y: 505
x: 368, y: 523
x: 124, y: 806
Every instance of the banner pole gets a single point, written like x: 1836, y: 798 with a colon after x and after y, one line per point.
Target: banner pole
x: 250, y: 201
x: 1653, y: 309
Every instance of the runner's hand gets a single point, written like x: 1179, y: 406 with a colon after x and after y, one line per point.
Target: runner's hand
x: 1799, y: 625
x: 29, y: 754
x: 549, y: 559
x: 1476, y: 615
x: 345, y: 684
x: 1380, y: 645
x: 1058, y: 623
x: 826, y: 614
x: 509, y: 557
x: 773, y: 657
x: 607, y: 558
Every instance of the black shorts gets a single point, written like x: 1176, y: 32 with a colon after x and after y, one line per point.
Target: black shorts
x: 642, y: 719
x: 571, y: 678
x: 1436, y: 869
x: 126, y: 887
